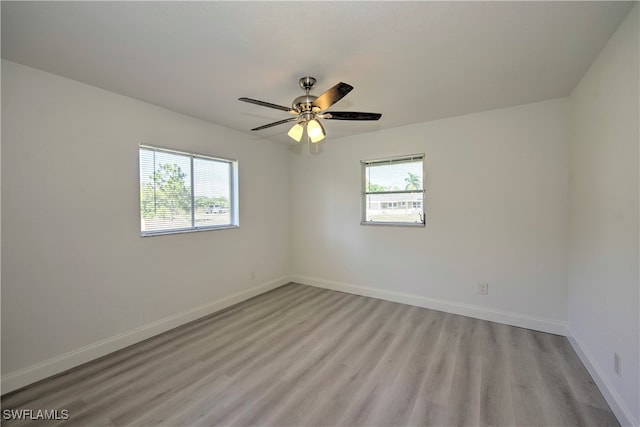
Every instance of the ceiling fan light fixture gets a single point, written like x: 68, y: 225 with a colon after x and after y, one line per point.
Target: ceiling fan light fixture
x: 296, y: 132
x: 307, y: 109
x: 315, y: 130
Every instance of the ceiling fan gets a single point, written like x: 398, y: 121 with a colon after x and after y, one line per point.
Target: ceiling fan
x: 308, y: 109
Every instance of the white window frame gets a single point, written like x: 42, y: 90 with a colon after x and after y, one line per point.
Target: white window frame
x: 364, y: 193
x: 233, y: 193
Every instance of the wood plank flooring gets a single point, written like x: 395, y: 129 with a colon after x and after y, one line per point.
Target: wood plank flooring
x: 303, y: 356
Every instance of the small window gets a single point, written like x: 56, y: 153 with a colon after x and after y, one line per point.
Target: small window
x: 393, y: 191
x: 182, y: 192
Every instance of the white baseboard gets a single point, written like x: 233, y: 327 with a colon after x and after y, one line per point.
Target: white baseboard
x: 513, y: 319
x: 624, y: 415
x: 17, y: 379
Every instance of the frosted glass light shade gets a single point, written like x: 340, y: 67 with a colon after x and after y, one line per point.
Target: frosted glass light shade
x: 296, y: 132
x: 315, y: 131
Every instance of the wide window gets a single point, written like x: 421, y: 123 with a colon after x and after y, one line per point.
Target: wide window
x: 186, y: 192
x: 393, y: 191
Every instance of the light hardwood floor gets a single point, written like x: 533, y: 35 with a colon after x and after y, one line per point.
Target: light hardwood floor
x: 303, y: 356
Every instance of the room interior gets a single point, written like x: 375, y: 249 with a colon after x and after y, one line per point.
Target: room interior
x: 526, y: 113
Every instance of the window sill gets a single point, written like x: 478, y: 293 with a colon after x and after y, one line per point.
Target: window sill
x: 185, y: 230
x: 394, y: 224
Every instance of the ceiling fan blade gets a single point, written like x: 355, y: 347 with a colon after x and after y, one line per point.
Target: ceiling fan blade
x: 332, y: 96
x: 351, y: 115
x: 268, y: 104
x: 279, y: 122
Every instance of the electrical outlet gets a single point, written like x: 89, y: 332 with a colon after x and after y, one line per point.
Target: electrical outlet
x: 483, y: 288
x: 253, y: 275
x: 616, y: 363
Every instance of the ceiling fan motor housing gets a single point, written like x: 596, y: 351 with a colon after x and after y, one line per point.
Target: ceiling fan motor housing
x: 303, y: 103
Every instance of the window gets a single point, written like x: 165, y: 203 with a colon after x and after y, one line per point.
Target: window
x: 182, y: 192
x: 393, y: 191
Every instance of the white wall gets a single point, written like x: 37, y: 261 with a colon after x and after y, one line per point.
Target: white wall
x: 603, y: 252
x: 496, y: 203
x: 75, y: 271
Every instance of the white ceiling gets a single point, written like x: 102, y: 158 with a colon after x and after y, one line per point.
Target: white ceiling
x: 411, y: 61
